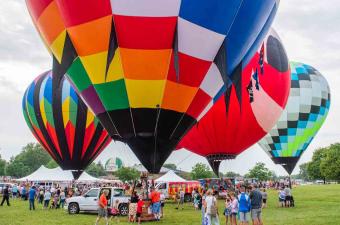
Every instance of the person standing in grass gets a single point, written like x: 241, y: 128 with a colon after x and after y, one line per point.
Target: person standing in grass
x: 15, y: 191
x: 162, y: 197
x: 31, y: 197
x: 41, y: 196
x: 62, y: 199
x: 203, y: 206
x: 256, y: 205
x: 47, y: 198
x: 181, y: 199
x: 156, y: 203
x: 234, y: 209
x: 102, y: 207
x: 5, y: 196
x: 23, y: 193
x: 288, y: 194
x: 133, y: 207
x: 211, y: 209
x: 282, y: 198
x: 244, y: 206
x: 227, y: 210
x: 264, y: 198
x: 140, y: 205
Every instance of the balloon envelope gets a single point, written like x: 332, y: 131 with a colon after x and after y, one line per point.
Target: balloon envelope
x: 235, y: 122
x: 306, y: 110
x: 63, y: 124
x: 149, y: 68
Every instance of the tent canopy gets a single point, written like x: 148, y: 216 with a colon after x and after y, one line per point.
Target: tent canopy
x: 170, y: 176
x: 44, y: 174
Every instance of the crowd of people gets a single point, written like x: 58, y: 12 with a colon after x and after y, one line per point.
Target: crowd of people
x: 49, y: 198
x: 242, y: 204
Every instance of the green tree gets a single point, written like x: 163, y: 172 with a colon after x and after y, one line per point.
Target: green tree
x: 260, y: 172
x: 16, y: 168
x: 201, y: 171
x: 52, y: 164
x: 232, y: 174
x: 330, y: 163
x: 2, y: 167
x: 29, y: 160
x: 303, y: 174
x: 313, y: 167
x: 170, y: 166
x: 127, y: 174
x: 96, y: 169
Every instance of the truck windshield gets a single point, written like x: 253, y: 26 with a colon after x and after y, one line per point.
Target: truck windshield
x: 161, y: 186
x: 92, y: 193
x: 118, y: 192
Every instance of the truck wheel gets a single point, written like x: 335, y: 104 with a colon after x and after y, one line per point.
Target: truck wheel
x: 73, y: 208
x: 123, y: 209
x: 187, y: 198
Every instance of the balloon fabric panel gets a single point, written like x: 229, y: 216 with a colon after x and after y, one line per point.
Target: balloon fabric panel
x: 62, y: 123
x: 148, y: 68
x: 229, y: 129
x: 306, y: 111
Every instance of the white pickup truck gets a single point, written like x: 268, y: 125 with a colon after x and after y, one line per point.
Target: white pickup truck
x: 89, y: 201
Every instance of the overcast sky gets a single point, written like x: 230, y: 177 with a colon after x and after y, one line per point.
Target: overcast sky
x: 310, y: 31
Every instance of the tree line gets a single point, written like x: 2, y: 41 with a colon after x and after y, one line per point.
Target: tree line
x: 325, y: 165
x: 32, y: 157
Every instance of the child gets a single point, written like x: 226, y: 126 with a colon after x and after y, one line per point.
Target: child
x: 115, y: 211
x: 282, y: 198
x: 140, y: 205
x: 234, y: 209
x: 55, y: 201
x: 227, y: 210
x: 197, y: 199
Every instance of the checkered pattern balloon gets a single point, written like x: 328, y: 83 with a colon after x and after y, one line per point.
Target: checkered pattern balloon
x: 148, y: 69
x: 306, y: 111
x: 62, y: 123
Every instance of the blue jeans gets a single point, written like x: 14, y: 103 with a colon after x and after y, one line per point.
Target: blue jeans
x: 32, y: 204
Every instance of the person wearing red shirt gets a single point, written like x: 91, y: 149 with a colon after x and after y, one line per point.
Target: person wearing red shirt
x: 156, y: 203
x: 102, y: 207
x: 140, y: 205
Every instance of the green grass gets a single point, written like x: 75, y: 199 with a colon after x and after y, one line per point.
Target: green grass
x: 315, y: 205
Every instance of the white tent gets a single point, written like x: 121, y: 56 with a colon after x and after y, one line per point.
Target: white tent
x: 85, y: 177
x: 170, y: 176
x: 44, y: 174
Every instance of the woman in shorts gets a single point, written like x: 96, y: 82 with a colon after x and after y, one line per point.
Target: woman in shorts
x: 282, y: 198
x: 234, y: 209
x: 227, y: 210
x: 102, y: 207
x: 133, y: 207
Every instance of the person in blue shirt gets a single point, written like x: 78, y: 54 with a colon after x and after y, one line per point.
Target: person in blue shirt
x: 244, y: 206
x: 31, y: 197
x: 15, y: 191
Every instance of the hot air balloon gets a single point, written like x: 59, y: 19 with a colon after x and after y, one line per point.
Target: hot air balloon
x: 239, y: 120
x: 149, y: 68
x: 62, y: 124
x: 306, y: 110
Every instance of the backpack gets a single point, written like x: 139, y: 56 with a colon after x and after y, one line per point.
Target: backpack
x: 213, y: 208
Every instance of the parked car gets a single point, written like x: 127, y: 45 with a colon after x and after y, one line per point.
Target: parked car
x: 89, y: 201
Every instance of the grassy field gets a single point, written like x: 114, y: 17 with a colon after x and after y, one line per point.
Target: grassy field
x: 315, y: 205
